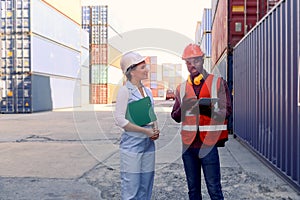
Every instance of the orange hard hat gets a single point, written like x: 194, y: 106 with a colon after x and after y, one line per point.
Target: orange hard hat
x: 191, y: 51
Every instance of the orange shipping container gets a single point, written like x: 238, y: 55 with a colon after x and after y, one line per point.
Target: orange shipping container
x: 99, y: 93
x: 154, y: 92
x: 98, y: 54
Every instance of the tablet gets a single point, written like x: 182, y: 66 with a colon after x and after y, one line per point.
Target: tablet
x: 207, y: 101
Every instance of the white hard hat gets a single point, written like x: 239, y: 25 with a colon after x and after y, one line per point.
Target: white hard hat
x: 129, y: 59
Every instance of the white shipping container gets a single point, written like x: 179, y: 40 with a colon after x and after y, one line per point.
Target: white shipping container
x: 70, y: 8
x: 51, y: 58
x: 58, y: 27
x: 84, y: 74
x: 66, y: 96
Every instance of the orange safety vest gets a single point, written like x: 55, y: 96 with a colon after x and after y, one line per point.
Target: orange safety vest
x: 210, y: 130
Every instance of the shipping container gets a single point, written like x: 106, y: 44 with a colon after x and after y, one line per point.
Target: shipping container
x: 206, y: 21
x: 207, y: 64
x: 203, y: 33
x: 99, y: 93
x: 94, y: 20
x: 98, y: 54
x: 266, y: 66
x: 70, y: 8
x: 219, y: 31
x: 232, y: 19
x: 53, y: 59
x: 26, y: 94
x: 29, y: 74
x: 99, y: 74
x: 84, y: 70
x: 205, y: 44
x: 58, y: 27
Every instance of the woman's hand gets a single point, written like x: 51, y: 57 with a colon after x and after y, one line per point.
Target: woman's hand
x: 156, y: 134
x: 153, y: 133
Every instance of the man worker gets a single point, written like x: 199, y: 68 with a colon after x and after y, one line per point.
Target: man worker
x: 203, y: 123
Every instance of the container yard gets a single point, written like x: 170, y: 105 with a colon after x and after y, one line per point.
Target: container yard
x: 58, y: 56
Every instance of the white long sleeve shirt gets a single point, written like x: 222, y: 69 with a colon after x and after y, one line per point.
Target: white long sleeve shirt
x: 127, y: 94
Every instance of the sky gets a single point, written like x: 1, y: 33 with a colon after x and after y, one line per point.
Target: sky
x: 180, y: 17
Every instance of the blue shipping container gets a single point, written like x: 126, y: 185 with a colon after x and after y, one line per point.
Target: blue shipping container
x: 267, y: 90
x: 206, y: 21
x: 205, y: 44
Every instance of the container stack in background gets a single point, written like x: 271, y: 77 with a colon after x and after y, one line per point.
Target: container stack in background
x: 154, y: 81
x: 105, y: 73
x: 162, y: 77
x: 41, y: 55
x: 94, y: 20
x: 203, y: 37
x: 172, y: 75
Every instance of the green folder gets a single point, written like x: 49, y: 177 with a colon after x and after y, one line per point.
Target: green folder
x: 140, y: 112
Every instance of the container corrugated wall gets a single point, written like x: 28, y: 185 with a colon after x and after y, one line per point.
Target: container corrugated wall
x: 219, y: 31
x: 267, y: 88
x: 231, y: 20
x: 206, y: 21
x: 26, y: 29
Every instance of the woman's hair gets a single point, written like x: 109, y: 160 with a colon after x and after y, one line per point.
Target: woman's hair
x: 127, y: 73
x: 130, y: 69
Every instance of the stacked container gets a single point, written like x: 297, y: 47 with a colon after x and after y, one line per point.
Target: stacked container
x: 154, y: 80
x: 94, y: 20
x: 172, y: 75
x: 266, y: 66
x: 203, y: 37
x: 40, y: 57
x: 231, y: 20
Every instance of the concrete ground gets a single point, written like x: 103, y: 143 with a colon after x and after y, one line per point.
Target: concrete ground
x: 73, y: 154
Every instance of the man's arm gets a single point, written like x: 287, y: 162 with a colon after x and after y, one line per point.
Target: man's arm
x: 176, y: 111
x: 224, y: 103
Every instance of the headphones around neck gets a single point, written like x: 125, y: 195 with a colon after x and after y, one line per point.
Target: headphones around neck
x: 196, y: 81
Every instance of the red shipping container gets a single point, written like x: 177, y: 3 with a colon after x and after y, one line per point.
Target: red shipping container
x: 219, y: 31
x: 98, y: 54
x: 232, y: 20
x: 99, y: 93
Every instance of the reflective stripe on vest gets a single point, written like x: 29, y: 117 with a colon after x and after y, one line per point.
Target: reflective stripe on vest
x: 210, y: 131
x: 205, y: 128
